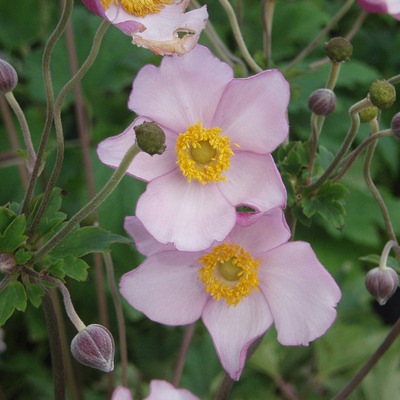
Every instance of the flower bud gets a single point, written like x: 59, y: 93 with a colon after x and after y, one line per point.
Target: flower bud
x: 382, y: 94
x: 382, y: 284
x: 7, y: 263
x: 94, y: 347
x: 338, y: 49
x: 368, y: 114
x: 322, y: 102
x: 396, y: 126
x: 8, y: 77
x: 150, y: 138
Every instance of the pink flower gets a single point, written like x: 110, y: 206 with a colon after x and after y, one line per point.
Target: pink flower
x: 239, y: 287
x: 391, y: 7
x: 155, y: 25
x: 159, y: 390
x: 219, y: 131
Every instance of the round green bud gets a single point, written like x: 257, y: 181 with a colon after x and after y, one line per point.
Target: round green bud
x: 382, y: 94
x: 396, y: 126
x: 338, y: 49
x: 8, y: 77
x: 368, y: 114
x: 322, y: 101
x: 150, y: 138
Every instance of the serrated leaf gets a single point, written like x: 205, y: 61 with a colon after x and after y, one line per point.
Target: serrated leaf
x: 13, y: 236
x: 75, y: 268
x: 22, y: 256
x: 49, y: 226
x: 298, y: 213
x: 6, y: 217
x: 57, y: 269
x: 87, y: 240
x: 35, y: 293
x: 11, y: 298
x: 331, y: 211
x: 335, y: 191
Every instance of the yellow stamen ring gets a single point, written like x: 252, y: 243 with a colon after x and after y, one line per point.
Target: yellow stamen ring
x: 230, y: 273
x: 140, y: 8
x: 203, y: 154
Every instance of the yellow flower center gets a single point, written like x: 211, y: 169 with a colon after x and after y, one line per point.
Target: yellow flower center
x: 230, y: 273
x: 140, y: 8
x: 203, y: 154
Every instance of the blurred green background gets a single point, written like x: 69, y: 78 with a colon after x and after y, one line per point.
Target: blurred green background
x: 315, y: 372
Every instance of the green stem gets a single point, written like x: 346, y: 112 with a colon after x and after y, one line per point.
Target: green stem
x: 362, y: 373
x: 50, y: 101
x: 394, y: 80
x: 349, y: 160
x: 120, y: 318
x: 58, y: 123
x: 321, y: 35
x: 268, y: 7
x: 238, y: 36
x: 12, y: 101
x: 385, y: 254
x: 355, y: 125
x: 92, y: 205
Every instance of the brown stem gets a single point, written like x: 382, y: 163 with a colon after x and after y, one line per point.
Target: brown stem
x: 187, y: 338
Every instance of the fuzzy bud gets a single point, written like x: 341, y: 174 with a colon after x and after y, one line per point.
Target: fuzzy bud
x: 382, y: 284
x: 94, y: 347
x: 7, y: 263
x: 396, y: 126
x: 150, y: 138
x: 322, y: 102
x: 368, y: 114
x: 382, y: 94
x: 338, y: 49
x: 8, y: 77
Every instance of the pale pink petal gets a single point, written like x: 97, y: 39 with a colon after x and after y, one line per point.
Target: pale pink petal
x: 268, y: 231
x: 374, y: 6
x: 182, y: 90
x: 253, y: 180
x: 144, y: 242
x: 253, y: 112
x: 112, y: 150
x: 190, y: 215
x: 166, y: 289
x: 121, y: 393
x: 162, y: 390
x: 163, y: 29
x: 300, y: 293
x: 233, y: 329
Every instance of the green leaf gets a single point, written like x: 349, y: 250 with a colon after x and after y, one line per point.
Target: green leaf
x: 13, y: 236
x: 57, y: 269
x: 11, y: 298
x: 376, y: 258
x: 6, y: 217
x: 87, y: 240
x: 35, y: 293
x: 75, y: 268
x: 22, y: 256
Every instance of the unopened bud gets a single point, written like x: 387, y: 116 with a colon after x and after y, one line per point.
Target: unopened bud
x: 7, y: 263
x: 338, y: 49
x: 150, y: 138
x: 322, y: 102
x: 8, y: 77
x: 382, y: 283
x: 396, y: 126
x: 368, y: 114
x: 94, y: 347
x: 382, y: 94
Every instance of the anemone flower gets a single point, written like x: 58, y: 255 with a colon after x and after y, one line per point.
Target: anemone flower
x: 159, y: 25
x: 391, y: 7
x: 239, y: 287
x: 159, y: 390
x: 219, y: 131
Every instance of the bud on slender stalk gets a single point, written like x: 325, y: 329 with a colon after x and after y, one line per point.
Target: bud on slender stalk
x: 382, y: 283
x: 7, y: 263
x: 322, y: 102
x: 338, y: 49
x: 8, y: 77
x: 94, y: 347
x: 382, y: 94
x: 396, y: 126
x: 150, y: 138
